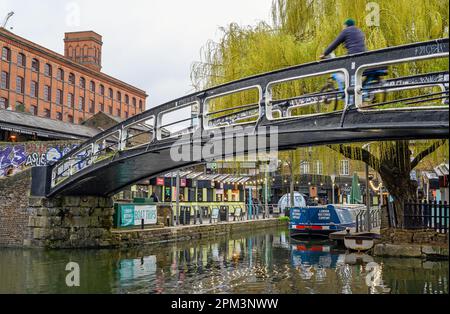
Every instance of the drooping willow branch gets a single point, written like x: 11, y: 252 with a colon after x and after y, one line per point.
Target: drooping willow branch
x: 426, y: 152
x: 356, y: 153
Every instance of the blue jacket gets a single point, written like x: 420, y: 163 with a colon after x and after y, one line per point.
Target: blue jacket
x: 353, y: 39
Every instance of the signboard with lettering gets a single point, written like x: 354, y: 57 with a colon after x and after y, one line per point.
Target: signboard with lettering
x: 215, y: 213
x: 132, y: 215
x: 127, y: 216
x: 145, y: 212
x: 160, y: 181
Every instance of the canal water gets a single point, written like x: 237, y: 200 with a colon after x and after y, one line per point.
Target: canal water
x: 267, y: 261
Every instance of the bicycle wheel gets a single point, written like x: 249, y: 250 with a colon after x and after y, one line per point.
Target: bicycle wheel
x: 328, y: 99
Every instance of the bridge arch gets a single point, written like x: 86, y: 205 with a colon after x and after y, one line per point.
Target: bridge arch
x: 116, y: 158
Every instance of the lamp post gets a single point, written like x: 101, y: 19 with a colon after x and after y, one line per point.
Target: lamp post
x: 367, y: 192
x: 177, y: 195
x: 333, y: 179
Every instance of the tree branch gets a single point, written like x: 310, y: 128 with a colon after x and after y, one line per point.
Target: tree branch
x: 356, y: 153
x: 426, y: 152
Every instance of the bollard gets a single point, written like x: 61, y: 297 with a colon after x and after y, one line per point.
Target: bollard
x: 142, y: 224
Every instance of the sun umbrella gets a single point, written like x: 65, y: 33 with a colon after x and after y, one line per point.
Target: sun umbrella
x: 355, y: 194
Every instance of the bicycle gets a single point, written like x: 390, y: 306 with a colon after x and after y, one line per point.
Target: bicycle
x: 373, y: 77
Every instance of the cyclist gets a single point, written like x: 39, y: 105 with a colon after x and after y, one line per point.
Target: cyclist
x: 352, y: 37
x: 354, y: 41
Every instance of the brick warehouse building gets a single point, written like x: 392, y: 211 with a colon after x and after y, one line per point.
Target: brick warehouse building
x: 69, y: 87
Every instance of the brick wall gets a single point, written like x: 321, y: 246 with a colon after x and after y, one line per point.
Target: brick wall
x: 70, y: 222
x: 65, y: 222
x: 25, y: 155
x: 14, y: 215
x: 67, y: 112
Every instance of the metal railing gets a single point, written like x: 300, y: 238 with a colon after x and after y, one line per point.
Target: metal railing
x: 267, y: 109
x: 361, y: 220
x: 427, y: 215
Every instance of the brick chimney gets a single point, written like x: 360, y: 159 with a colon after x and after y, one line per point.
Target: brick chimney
x: 84, y: 48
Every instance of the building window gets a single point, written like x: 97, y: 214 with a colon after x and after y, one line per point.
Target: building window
x: 127, y: 99
x: 92, y: 86
x: 126, y: 114
x: 110, y: 110
x: 20, y: 107
x: 319, y: 167
x: 102, y: 107
x: 72, y: 78
x: 6, y: 54
x: 33, y: 110
x: 304, y: 167
x: 47, y: 93
x: 110, y: 93
x: 34, y: 89
x: 102, y: 90
x: 70, y: 100
x: 119, y: 96
x: 60, y: 75
x: 81, y: 103
x: 59, y: 97
x: 3, y: 103
x: 140, y: 105
x: 59, y: 116
x: 134, y: 102
x: 82, y: 82
x: 35, y: 65
x: 48, y: 69
x: 21, y: 60
x: 5, y: 80
x: 19, y: 85
x: 345, y: 168
x: 47, y: 113
x: 70, y: 118
x: 119, y: 113
x: 91, y: 106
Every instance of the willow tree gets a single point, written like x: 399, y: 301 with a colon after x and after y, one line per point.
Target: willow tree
x: 300, y: 31
x: 394, y: 161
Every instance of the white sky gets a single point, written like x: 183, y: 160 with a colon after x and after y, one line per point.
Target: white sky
x: 148, y: 43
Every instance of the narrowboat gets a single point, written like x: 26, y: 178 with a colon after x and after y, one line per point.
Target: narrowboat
x: 320, y: 221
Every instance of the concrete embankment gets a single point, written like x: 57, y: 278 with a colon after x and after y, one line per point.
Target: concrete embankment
x: 411, y: 250
x: 75, y: 222
x: 427, y: 244
x: 132, y: 238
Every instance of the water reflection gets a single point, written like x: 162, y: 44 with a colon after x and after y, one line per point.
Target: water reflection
x: 264, y: 262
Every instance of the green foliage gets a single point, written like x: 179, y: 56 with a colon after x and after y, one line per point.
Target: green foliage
x: 302, y: 29
x: 299, y: 33
x: 283, y: 219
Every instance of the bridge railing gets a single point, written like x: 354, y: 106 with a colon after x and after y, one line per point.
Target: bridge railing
x: 418, y: 91
x: 298, y: 92
x: 284, y: 101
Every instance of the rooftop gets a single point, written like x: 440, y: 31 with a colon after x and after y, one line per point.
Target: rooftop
x: 26, y: 123
x: 62, y: 58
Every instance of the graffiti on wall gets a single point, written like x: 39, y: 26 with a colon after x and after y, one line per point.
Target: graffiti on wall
x: 25, y: 155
